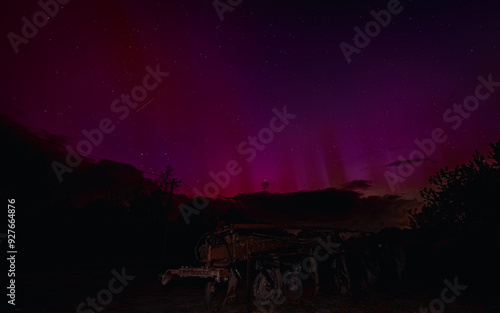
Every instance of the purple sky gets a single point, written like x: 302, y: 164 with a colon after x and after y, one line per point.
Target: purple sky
x: 353, y: 120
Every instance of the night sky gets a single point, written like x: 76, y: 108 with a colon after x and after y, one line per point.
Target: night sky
x: 352, y: 121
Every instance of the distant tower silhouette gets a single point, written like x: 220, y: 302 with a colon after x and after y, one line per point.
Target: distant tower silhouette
x: 264, y: 185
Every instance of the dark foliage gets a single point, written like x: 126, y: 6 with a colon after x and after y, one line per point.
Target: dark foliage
x: 464, y: 198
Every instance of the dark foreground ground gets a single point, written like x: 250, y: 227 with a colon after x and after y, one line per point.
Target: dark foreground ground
x: 63, y: 290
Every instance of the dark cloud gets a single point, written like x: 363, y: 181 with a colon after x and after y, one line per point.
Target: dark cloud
x: 328, y: 208
x: 360, y: 185
x: 38, y: 138
x: 56, y: 139
x: 32, y: 153
x: 397, y: 163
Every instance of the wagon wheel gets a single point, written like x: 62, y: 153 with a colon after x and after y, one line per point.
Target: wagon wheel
x: 218, y: 294
x: 311, y: 278
x: 215, y: 294
x: 341, y: 276
x: 267, y: 287
x: 292, y: 284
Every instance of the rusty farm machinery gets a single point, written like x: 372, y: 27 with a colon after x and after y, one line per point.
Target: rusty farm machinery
x: 269, y: 264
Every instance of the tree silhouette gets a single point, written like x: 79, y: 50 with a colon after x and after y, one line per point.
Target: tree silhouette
x: 166, y: 179
x: 466, y: 197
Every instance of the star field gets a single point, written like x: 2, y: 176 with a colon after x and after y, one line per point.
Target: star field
x: 353, y: 120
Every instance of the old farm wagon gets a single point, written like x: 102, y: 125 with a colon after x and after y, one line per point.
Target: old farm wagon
x: 268, y: 264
